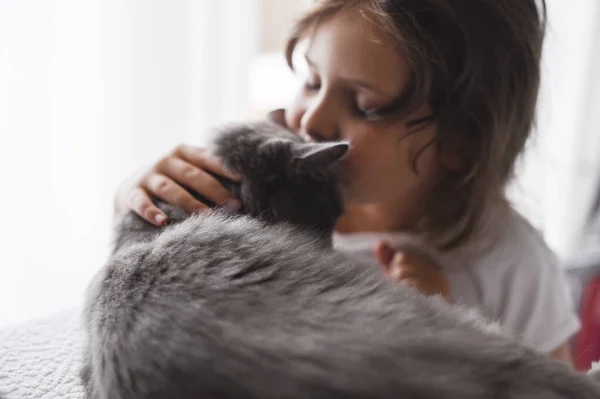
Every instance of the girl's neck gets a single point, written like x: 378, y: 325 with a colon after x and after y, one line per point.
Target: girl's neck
x: 377, y: 218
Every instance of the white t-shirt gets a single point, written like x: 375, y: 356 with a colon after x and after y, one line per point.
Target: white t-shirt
x: 507, y: 273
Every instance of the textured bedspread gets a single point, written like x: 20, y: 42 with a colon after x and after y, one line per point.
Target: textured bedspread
x: 41, y: 358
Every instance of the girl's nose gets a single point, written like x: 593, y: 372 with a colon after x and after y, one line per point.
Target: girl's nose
x: 319, y: 123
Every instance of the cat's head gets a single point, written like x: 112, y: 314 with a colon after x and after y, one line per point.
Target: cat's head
x: 284, y: 179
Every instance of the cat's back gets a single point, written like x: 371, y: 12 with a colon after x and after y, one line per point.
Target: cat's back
x: 231, y: 269
x: 216, y: 251
x: 225, y: 306
x: 217, y: 286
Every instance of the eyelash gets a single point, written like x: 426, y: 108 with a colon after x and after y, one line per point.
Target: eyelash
x: 363, y: 114
x: 311, y: 86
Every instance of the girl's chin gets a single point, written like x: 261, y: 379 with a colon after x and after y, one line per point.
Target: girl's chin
x: 353, y: 198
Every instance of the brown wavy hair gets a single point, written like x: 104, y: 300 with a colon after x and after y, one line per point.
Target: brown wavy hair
x: 476, y: 64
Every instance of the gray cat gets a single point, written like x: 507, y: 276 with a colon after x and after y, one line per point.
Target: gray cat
x: 260, y: 306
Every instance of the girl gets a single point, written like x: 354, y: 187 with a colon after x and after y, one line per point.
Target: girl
x: 437, y: 98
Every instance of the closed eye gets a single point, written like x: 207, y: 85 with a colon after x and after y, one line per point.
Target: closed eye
x: 310, y: 87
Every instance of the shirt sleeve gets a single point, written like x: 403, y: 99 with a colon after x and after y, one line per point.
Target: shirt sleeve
x: 538, y: 307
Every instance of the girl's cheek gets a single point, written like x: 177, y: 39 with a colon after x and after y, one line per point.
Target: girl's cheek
x: 363, y: 155
x: 352, y: 160
x: 355, y: 168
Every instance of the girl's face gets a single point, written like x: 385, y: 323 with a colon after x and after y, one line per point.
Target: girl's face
x: 354, y: 68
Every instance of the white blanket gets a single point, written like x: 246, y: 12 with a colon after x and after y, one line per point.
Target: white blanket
x: 40, y: 359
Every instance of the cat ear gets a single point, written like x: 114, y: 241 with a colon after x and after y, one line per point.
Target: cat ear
x: 322, y: 154
x: 315, y: 156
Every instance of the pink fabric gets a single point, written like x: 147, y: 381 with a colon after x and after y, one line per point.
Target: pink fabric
x: 587, y: 346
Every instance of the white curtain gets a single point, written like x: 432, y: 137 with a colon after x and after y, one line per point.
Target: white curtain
x: 89, y: 91
x: 559, y: 175
x: 92, y: 89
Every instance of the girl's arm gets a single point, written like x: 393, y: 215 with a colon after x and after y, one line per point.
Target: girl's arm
x: 420, y: 272
x: 413, y: 269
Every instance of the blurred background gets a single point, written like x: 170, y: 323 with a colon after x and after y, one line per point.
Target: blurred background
x: 91, y: 90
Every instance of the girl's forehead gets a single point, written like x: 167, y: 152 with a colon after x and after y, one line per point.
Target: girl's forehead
x: 353, y: 29
x: 351, y: 45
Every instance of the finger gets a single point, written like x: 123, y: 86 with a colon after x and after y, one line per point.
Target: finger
x: 141, y: 204
x: 198, y: 180
x: 202, y: 159
x: 384, y: 253
x: 402, y: 258
x: 394, y: 272
x: 412, y: 258
x: 412, y: 282
x: 166, y: 189
x: 399, y: 271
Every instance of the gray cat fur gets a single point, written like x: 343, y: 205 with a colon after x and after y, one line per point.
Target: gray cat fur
x: 259, y: 306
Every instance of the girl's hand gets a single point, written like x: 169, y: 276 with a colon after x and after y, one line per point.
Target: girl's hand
x: 414, y: 269
x: 185, y: 166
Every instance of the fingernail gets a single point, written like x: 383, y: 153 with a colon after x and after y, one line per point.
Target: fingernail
x: 160, y: 218
x: 395, y: 274
x: 233, y: 205
x: 233, y: 174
